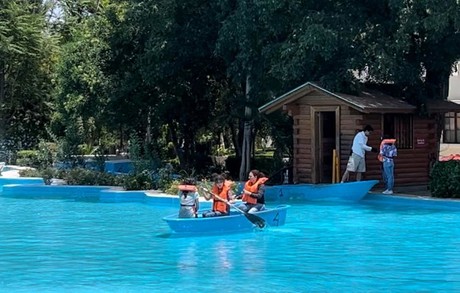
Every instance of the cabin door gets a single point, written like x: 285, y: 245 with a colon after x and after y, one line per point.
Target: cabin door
x: 325, y: 141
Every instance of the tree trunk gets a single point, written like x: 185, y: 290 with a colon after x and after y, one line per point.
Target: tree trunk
x: 247, y: 137
x: 176, y: 143
x: 235, y: 140
x: 148, y: 132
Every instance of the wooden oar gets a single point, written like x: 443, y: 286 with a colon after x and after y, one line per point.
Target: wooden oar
x: 256, y: 220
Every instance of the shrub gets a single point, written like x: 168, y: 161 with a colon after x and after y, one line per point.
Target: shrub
x: 27, y: 158
x: 173, y: 187
x: 80, y: 176
x: 445, y: 179
x: 138, y: 181
x: 30, y: 173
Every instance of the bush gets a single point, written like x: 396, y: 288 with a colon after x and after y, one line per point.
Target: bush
x: 80, y: 176
x: 445, y: 179
x: 77, y: 176
x: 172, y: 188
x: 27, y: 158
x: 30, y: 173
x: 138, y: 181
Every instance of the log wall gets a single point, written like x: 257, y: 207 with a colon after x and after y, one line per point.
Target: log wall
x: 412, y: 166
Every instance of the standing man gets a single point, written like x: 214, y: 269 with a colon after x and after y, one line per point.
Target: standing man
x: 357, y: 160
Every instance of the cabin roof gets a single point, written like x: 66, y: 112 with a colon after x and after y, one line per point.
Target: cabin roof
x: 442, y: 106
x: 368, y: 102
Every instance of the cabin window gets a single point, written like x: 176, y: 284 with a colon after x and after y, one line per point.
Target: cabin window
x: 451, y: 128
x: 399, y: 127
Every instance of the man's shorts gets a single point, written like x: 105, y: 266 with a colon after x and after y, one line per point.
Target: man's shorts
x: 356, y: 164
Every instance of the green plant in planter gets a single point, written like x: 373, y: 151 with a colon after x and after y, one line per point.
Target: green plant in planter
x: 445, y: 179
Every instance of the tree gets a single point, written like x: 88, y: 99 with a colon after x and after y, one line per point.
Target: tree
x: 247, y: 41
x: 173, y: 57
x: 27, y: 51
x: 81, y: 115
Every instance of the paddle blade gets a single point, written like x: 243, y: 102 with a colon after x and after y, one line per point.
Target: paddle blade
x: 256, y: 220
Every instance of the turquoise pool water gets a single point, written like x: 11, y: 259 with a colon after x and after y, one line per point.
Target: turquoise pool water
x: 53, y: 245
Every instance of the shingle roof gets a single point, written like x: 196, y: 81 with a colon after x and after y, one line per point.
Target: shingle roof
x: 368, y: 102
x: 440, y: 106
x: 376, y: 102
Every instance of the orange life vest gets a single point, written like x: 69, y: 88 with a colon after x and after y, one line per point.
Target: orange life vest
x: 217, y: 204
x: 385, y: 141
x: 253, y: 188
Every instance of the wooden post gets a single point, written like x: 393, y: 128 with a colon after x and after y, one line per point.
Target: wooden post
x: 335, y: 167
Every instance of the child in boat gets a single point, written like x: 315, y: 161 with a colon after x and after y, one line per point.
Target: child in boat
x: 220, y: 206
x: 188, y: 197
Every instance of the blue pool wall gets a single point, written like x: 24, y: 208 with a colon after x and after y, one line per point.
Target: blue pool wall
x: 411, y: 201
x: 20, y: 180
x: 35, y: 188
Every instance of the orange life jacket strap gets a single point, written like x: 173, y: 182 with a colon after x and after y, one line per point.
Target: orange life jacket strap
x: 184, y: 187
x: 385, y: 141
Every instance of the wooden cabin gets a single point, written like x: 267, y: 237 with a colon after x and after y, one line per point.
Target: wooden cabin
x: 324, y: 121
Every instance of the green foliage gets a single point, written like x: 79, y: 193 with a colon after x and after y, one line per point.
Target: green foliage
x: 41, y: 158
x: 445, y: 179
x: 82, y: 119
x: 100, y: 158
x: 138, y: 181
x: 76, y: 176
x: 80, y: 176
x: 172, y: 188
x: 134, y: 148
x: 144, y: 160
x: 27, y: 52
x: 264, y: 164
x: 49, y: 173
x: 27, y: 158
x: 180, y: 74
x: 46, y: 154
x: 31, y: 173
x: 163, y: 177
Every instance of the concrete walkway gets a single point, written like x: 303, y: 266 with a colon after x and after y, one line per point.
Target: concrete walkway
x: 410, y: 191
x: 12, y: 171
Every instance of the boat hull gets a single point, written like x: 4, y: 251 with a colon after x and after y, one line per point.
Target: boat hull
x: 236, y: 222
x: 350, y: 191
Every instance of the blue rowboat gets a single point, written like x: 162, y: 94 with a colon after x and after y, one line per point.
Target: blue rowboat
x: 350, y: 191
x: 236, y: 222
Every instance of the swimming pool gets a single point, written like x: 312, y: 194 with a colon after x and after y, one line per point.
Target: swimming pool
x: 56, y: 245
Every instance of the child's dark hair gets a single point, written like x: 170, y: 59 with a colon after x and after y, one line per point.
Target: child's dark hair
x: 189, y: 181
x: 219, y: 179
x: 368, y: 128
x: 257, y: 173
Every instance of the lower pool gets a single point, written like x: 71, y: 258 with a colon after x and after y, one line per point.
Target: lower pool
x: 76, y: 246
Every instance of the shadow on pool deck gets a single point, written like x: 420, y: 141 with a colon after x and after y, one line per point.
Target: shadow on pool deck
x: 410, y: 191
